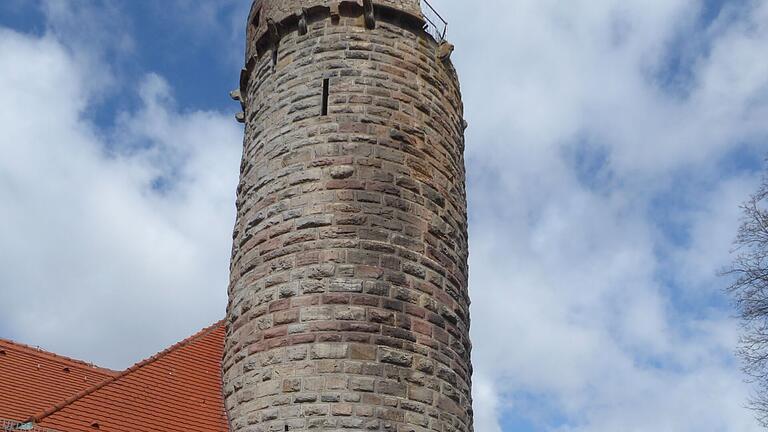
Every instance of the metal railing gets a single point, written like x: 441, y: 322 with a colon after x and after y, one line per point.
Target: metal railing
x: 435, y: 25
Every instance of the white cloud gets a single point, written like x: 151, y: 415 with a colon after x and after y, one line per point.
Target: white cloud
x: 712, y: 227
x: 571, y: 263
x: 96, y: 261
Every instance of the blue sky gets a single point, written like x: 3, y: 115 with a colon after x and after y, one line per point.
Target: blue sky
x: 610, y: 144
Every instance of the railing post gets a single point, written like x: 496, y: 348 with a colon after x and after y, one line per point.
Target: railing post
x: 437, y: 26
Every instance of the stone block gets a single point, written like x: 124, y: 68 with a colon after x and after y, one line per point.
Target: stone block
x: 329, y: 351
x: 395, y: 357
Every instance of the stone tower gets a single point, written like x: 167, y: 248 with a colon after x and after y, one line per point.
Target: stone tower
x: 348, y: 305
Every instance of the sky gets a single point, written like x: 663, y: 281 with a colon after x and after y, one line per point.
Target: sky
x: 610, y: 144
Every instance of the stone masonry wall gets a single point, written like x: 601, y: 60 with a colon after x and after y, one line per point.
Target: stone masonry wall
x: 348, y: 298
x: 278, y: 10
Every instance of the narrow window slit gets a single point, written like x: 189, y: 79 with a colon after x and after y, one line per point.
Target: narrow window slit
x: 326, y: 91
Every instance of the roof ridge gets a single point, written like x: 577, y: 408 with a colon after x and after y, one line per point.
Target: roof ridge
x: 61, y: 405
x: 37, y: 350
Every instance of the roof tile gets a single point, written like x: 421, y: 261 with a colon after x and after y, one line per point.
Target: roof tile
x: 178, y: 389
x: 32, y: 380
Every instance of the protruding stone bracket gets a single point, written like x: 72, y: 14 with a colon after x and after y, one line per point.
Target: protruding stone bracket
x: 274, y: 39
x: 237, y: 95
x: 370, y: 10
x: 303, y: 19
x: 369, y: 15
x: 335, y: 12
x: 444, y: 50
x: 273, y: 31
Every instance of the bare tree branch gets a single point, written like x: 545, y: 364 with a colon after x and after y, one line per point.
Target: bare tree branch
x: 749, y: 290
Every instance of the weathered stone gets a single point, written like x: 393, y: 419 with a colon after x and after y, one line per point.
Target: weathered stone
x: 305, y: 397
x: 317, y: 313
x: 362, y: 352
x: 345, y: 285
x: 387, y: 355
x: 445, y: 50
x: 291, y: 385
x: 329, y: 351
x: 350, y: 314
x: 342, y: 172
x: 420, y: 394
x: 391, y: 388
x: 349, y: 304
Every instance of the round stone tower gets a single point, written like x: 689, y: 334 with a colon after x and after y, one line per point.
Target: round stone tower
x: 348, y: 305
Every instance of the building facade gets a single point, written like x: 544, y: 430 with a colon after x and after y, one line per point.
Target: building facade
x: 348, y: 304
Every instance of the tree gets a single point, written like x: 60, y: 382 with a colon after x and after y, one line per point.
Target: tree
x: 749, y: 289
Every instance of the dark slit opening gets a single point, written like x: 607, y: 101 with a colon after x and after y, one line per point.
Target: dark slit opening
x: 326, y: 90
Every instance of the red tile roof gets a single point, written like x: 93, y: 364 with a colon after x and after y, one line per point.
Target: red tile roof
x: 32, y: 380
x: 178, y: 389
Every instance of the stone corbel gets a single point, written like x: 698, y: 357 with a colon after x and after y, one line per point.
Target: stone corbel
x: 335, y: 13
x: 274, y: 32
x: 369, y: 15
x: 445, y: 50
x: 303, y: 26
x: 274, y: 39
x: 237, y: 95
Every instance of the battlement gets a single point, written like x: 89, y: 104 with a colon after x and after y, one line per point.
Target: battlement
x: 269, y: 19
x: 279, y: 9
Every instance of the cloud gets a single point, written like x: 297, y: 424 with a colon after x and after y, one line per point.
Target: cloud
x: 712, y: 230
x: 112, y: 235
x: 601, y: 207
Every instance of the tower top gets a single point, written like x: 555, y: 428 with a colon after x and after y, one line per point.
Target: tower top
x: 278, y: 10
x: 269, y: 18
